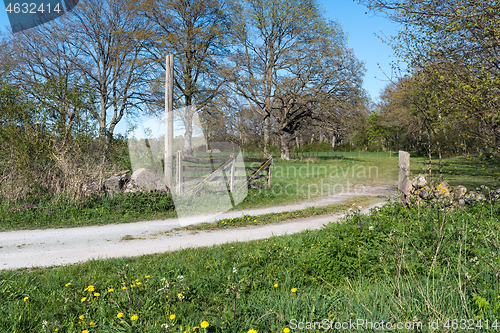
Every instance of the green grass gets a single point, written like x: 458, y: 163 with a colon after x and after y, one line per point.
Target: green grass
x: 399, y: 265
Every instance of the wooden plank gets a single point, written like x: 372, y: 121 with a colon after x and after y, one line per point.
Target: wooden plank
x: 258, y: 160
x: 204, y: 160
x: 211, y: 176
x: 257, y: 174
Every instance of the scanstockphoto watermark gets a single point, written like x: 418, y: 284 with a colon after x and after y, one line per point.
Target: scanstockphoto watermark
x: 330, y: 172
x: 324, y: 188
x: 355, y: 324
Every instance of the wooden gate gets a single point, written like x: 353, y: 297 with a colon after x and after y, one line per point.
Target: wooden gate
x: 224, y: 174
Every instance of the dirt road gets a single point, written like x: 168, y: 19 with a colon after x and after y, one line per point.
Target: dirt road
x: 49, y: 247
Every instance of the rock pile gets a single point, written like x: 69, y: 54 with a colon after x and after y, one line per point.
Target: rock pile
x: 141, y: 180
x: 421, y: 190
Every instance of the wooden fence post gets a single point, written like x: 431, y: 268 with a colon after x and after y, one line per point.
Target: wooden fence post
x: 231, y: 175
x: 404, y: 184
x: 269, y: 173
x: 179, y: 172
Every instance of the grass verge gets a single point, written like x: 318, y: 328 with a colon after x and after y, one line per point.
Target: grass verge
x: 398, y: 266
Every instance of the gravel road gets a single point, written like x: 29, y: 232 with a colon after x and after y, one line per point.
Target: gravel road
x: 50, y: 247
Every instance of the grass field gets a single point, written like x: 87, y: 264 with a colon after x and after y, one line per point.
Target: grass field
x: 398, y: 265
x: 309, y: 177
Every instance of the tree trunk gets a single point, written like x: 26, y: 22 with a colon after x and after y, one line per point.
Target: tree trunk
x: 285, y: 148
x: 333, y: 140
x: 297, y: 141
x: 267, y: 136
x: 188, y: 134
x: 321, y: 136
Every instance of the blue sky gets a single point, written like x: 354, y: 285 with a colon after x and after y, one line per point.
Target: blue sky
x: 360, y: 29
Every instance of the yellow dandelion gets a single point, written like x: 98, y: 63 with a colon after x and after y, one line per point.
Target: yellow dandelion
x: 275, y: 285
x: 97, y: 294
x: 110, y: 290
x: 121, y: 322
x: 147, y: 276
x: 255, y: 220
x: 172, y: 317
x: 139, y: 283
x: 90, y: 288
x: 26, y: 298
x: 286, y: 330
x: 124, y: 287
x: 134, y: 318
x: 85, y: 331
x: 204, y: 324
x: 252, y: 331
x: 83, y: 299
x: 81, y: 317
x: 119, y: 315
x: 91, y: 323
x: 294, y: 290
x: 195, y: 328
x: 67, y: 284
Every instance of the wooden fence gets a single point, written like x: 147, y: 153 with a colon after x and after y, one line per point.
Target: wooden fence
x: 218, y: 174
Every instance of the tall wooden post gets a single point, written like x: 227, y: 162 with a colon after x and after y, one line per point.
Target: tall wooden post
x: 169, y: 119
x: 404, y: 184
x: 179, y: 172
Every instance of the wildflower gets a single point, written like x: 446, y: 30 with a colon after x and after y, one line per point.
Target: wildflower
x: 110, y: 290
x: 204, y: 324
x: 139, y: 283
x: 124, y: 288
x: 294, y: 290
x: 134, y: 318
x: 121, y: 322
x: 81, y: 317
x: 286, y: 330
x: 83, y: 299
x: 195, y: 328
x: 370, y: 228
x: 119, y: 315
x: 180, y: 277
x: 26, y: 298
x: 275, y: 285
x: 252, y: 331
x: 97, y: 294
x: 147, y: 276
x: 255, y: 220
x: 91, y: 323
x: 172, y: 317
x: 67, y: 284
x: 85, y: 331
x: 234, y: 270
x: 89, y: 288
x: 165, y: 326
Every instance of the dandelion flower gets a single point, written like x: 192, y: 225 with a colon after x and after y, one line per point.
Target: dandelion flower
x: 83, y: 299
x: 90, y: 288
x: 134, y: 318
x: 110, y: 290
x: 119, y: 315
x: 252, y: 331
x: 67, y: 284
x: 81, y: 317
x: 147, y: 276
x: 195, y: 328
x: 204, y: 324
x: 91, y: 323
x: 26, y: 298
x: 294, y: 290
x: 172, y: 317
x: 286, y: 330
x: 124, y: 287
x: 97, y: 294
x: 85, y: 331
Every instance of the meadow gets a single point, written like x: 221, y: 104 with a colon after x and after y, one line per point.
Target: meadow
x: 399, y: 265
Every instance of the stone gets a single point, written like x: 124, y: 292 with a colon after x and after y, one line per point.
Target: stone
x: 419, y: 181
x: 459, y: 192
x: 443, y: 190
x: 145, y: 180
x: 473, y: 197
x: 424, y: 193
x: 116, y: 184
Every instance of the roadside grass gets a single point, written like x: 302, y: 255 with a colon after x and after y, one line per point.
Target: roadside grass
x: 397, y: 265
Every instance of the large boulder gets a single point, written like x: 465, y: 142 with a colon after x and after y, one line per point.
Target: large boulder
x: 116, y: 183
x: 145, y: 180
